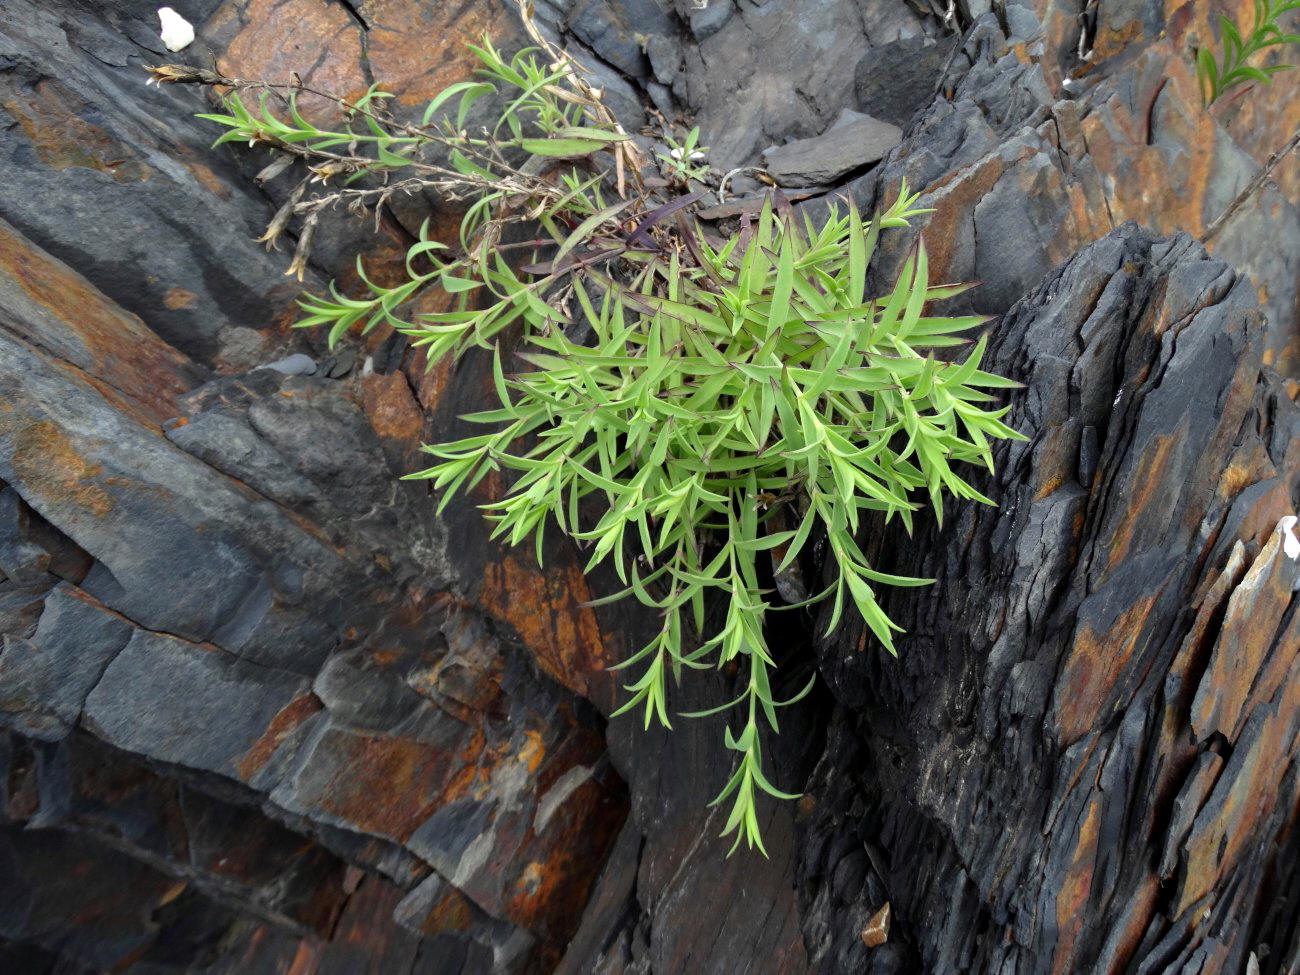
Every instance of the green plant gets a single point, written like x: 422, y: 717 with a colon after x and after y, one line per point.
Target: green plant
x: 695, y: 411
x: 685, y: 161
x: 1216, y: 78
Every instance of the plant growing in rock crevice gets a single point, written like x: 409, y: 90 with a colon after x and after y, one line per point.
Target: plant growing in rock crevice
x: 1216, y: 77
x: 718, y: 402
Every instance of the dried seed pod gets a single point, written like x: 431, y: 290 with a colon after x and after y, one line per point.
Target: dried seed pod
x: 876, y: 933
x: 303, y: 251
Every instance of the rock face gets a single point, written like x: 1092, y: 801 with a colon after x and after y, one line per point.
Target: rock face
x: 822, y: 160
x: 1098, y: 693
x: 263, y: 711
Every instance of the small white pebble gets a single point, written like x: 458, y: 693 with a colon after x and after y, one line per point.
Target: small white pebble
x: 177, y: 33
x: 1290, y: 543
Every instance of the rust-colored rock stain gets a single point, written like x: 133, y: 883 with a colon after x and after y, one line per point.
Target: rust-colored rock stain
x: 544, y: 608
x: 48, y: 115
x: 48, y: 465
x: 289, y: 717
x: 1094, y: 664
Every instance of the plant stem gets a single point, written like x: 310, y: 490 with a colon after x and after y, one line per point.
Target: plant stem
x: 1253, y: 186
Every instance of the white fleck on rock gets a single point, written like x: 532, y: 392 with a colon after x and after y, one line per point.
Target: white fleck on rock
x: 297, y: 364
x: 1290, y: 543
x: 177, y: 32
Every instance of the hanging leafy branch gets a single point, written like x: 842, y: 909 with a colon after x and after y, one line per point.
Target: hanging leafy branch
x: 1217, y: 77
x: 695, y: 411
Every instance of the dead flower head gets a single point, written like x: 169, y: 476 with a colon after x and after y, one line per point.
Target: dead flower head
x: 323, y: 172
x: 183, y: 74
x: 303, y: 251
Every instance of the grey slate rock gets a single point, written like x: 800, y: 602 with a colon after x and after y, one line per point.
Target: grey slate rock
x: 894, y: 81
x: 230, y: 445
x: 708, y: 19
x: 206, y: 708
x: 665, y: 56
x: 821, y: 160
x: 1090, y: 342
x: 22, y: 558
x: 298, y: 364
x: 129, y: 205
x: 618, y: 31
x: 780, y: 69
x: 44, y: 681
x: 21, y: 605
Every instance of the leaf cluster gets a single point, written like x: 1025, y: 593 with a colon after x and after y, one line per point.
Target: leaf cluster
x: 685, y: 160
x: 1217, y: 77
x: 696, y: 412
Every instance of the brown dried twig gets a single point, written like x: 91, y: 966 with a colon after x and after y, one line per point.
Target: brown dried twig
x: 1253, y: 186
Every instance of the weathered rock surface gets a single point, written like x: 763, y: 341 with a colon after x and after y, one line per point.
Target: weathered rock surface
x: 1085, y: 759
x: 264, y: 712
x: 823, y: 159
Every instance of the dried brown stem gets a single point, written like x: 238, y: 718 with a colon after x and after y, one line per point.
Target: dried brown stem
x: 1253, y: 186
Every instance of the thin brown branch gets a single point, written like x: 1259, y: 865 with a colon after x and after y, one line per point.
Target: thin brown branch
x: 1253, y: 186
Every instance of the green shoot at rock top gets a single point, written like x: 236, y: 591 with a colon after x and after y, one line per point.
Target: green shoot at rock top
x: 695, y: 411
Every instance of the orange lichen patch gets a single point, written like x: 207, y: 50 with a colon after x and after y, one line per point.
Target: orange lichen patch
x: 550, y: 890
x: 1111, y: 39
x: 1246, y: 664
x: 171, y: 893
x: 304, y: 959
x: 390, y: 407
x: 1129, y: 926
x: 48, y: 116
x: 954, y: 199
x: 179, y: 298
x: 1156, y: 146
x: 544, y: 608
x: 209, y: 180
x: 1151, y: 488
x: 1050, y: 483
x: 449, y: 913
x: 1236, y: 477
x: 1244, y: 795
x: 1095, y: 662
x: 82, y: 326
x: 416, y: 49
x: 385, y: 786
x: 289, y: 717
x: 384, y: 263
x: 1077, y: 885
x: 319, y: 41
x: 430, y: 384
x: 876, y: 931
x: 48, y: 466
x: 1175, y: 750
x: 531, y: 755
x: 1059, y: 455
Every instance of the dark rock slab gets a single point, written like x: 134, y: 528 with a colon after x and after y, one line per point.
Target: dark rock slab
x: 116, y: 487
x: 620, y: 31
x: 780, y: 69
x: 114, y: 179
x: 822, y: 160
x: 96, y: 908
x: 191, y: 687
x: 896, y: 79
x: 44, y: 681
